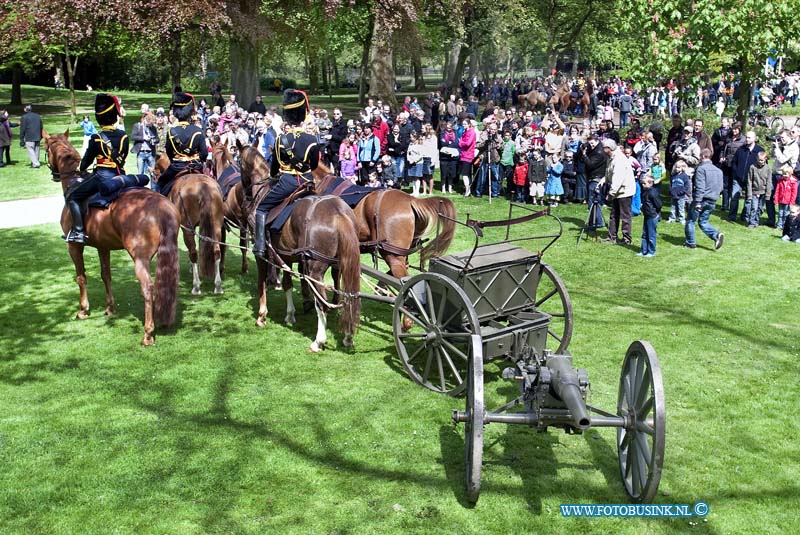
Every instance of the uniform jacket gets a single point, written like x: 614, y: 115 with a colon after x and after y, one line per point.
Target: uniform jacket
x: 186, y: 142
x: 109, y: 153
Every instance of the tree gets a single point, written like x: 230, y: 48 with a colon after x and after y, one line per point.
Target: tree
x: 682, y: 37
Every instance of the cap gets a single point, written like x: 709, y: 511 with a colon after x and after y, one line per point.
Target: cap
x: 688, y: 128
x: 106, y: 108
x: 183, y: 106
x: 295, y: 106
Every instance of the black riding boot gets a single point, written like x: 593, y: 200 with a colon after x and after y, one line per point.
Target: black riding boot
x: 77, y: 233
x: 260, y: 235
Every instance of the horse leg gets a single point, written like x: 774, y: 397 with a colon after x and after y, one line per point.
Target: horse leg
x: 316, y: 271
x: 188, y: 239
x: 287, y: 290
x: 222, y: 248
x: 141, y: 267
x: 261, y: 321
x: 218, y: 277
x: 76, y: 253
x: 243, y: 247
x: 105, y: 273
x: 398, y: 267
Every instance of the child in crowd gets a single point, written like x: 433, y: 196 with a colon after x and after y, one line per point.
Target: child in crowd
x: 537, y: 175
x: 507, y: 162
x: 785, y: 193
x: 348, y: 164
x: 414, y: 157
x: 553, y: 188
x: 520, y: 176
x: 608, y: 112
x: 657, y: 171
x: 680, y: 189
x: 373, y: 179
x: 389, y: 175
x: 651, y: 210
x: 791, y: 227
x: 759, y: 188
x: 569, y: 175
x: 636, y: 202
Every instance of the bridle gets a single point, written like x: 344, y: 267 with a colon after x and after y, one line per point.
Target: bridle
x: 57, y: 176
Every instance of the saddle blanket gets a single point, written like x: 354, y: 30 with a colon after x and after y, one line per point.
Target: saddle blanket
x: 111, y: 190
x: 350, y: 194
x: 228, y: 179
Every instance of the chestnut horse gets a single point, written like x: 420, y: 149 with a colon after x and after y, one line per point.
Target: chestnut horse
x: 563, y: 101
x: 320, y: 229
x: 140, y: 221
x: 199, y: 203
x: 533, y: 100
x: 397, y: 219
x: 234, y: 204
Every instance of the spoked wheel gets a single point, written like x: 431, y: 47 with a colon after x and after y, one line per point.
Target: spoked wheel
x: 640, y: 444
x: 552, y: 298
x: 473, y: 427
x: 436, y: 350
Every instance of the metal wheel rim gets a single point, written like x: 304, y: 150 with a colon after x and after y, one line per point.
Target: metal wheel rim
x: 640, y: 445
x: 473, y: 428
x: 559, y: 333
x: 434, y: 355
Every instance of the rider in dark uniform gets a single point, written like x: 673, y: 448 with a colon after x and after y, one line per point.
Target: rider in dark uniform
x: 185, y: 144
x: 295, y: 155
x: 108, y: 148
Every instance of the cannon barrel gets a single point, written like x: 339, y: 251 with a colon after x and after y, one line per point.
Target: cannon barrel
x: 565, y: 382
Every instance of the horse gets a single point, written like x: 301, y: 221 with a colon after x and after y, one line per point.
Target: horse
x: 533, y: 100
x: 140, y: 221
x: 564, y: 102
x: 320, y: 233
x: 234, y: 207
x: 395, y: 220
x: 199, y: 204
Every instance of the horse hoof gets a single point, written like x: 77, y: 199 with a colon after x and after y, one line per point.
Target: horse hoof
x: 110, y: 311
x: 261, y: 322
x: 348, y: 341
x: 290, y: 319
x: 218, y: 291
x: 148, y: 340
x: 316, y: 347
x: 308, y: 306
x: 196, y: 291
x: 82, y: 315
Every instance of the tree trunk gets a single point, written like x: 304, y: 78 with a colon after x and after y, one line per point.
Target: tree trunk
x: 575, y: 59
x: 474, y: 65
x: 16, y: 85
x: 312, y: 62
x: 362, y: 80
x: 445, y: 67
x: 419, y: 77
x: 244, y: 69
x: 381, y: 73
x: 336, y: 80
x: 458, y: 68
x: 203, y: 64
x: 71, y: 67
x: 743, y: 103
x: 175, y: 60
x: 326, y: 85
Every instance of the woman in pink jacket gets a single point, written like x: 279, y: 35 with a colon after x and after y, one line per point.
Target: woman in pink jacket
x: 467, y: 146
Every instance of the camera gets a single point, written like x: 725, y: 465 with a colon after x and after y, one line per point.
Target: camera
x: 775, y: 138
x: 548, y: 110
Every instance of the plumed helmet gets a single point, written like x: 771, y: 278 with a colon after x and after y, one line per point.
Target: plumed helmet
x: 295, y: 106
x: 183, y: 106
x: 106, y: 109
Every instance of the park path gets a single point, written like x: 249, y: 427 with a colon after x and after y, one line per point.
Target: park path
x: 31, y: 211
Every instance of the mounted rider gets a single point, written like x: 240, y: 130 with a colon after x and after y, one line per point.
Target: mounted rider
x: 108, y: 149
x: 185, y: 144
x: 295, y: 155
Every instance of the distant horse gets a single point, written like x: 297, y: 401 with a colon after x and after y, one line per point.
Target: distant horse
x: 564, y: 102
x: 199, y: 203
x: 533, y: 100
x: 140, y: 221
x: 395, y: 220
x: 319, y: 230
x: 234, y: 207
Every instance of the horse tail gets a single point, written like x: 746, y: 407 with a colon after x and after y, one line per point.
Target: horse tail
x: 349, y: 272
x: 427, y: 211
x: 209, y: 230
x: 166, y: 284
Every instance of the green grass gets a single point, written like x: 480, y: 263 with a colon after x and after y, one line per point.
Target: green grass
x: 222, y: 427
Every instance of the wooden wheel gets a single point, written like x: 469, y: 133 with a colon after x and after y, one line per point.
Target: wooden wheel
x: 553, y: 299
x: 640, y: 443
x: 473, y: 428
x: 437, y: 348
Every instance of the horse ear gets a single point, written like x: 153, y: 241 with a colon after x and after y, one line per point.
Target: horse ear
x: 45, y: 135
x: 239, y: 145
x: 66, y: 133
x: 255, y: 142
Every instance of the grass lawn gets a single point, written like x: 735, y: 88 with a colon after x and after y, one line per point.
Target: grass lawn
x: 222, y: 427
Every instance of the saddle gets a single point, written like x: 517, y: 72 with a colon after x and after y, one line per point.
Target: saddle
x: 278, y: 215
x: 228, y: 179
x: 338, y: 187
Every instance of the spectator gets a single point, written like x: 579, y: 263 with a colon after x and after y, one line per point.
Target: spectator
x: 88, y: 129
x: 744, y: 157
x: 30, y: 134
x: 651, y: 212
x: 785, y: 152
x: 791, y: 227
x: 759, y: 188
x: 338, y: 133
x: 5, y: 138
x: 680, y: 191
x: 706, y: 191
x: 257, y: 106
x: 537, y: 176
x: 466, y: 146
x: 785, y: 194
x: 369, y: 151
x: 145, y: 139
x: 622, y: 186
x: 703, y: 140
x: 448, y: 157
x: 381, y: 129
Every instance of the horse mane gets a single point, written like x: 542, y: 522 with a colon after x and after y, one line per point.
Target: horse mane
x: 66, y: 156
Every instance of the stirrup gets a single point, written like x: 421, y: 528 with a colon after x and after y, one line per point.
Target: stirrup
x: 73, y: 236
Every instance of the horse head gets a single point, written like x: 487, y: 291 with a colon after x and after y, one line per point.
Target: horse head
x: 161, y: 165
x: 254, y: 168
x: 62, y: 158
x: 220, y: 157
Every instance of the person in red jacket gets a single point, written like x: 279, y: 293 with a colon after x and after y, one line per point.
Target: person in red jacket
x: 381, y: 129
x: 467, y: 147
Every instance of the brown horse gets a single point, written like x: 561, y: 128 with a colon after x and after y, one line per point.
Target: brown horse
x: 235, y: 210
x: 140, y: 221
x: 563, y: 101
x: 199, y: 204
x: 319, y: 229
x: 396, y: 219
x: 533, y: 100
